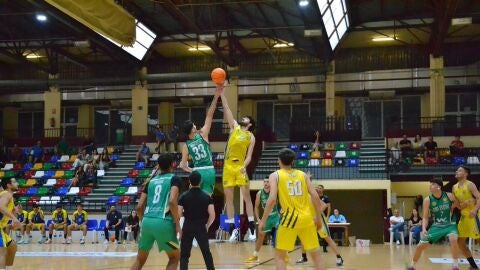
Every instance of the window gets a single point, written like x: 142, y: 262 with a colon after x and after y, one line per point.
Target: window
x: 451, y: 103
x: 265, y: 113
x: 468, y: 102
x: 335, y: 19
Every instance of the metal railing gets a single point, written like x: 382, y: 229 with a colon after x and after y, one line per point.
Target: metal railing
x: 30, y: 133
x: 331, y: 128
x: 450, y: 125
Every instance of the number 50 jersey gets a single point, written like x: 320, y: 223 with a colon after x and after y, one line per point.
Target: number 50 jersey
x: 200, y: 152
x: 294, y: 199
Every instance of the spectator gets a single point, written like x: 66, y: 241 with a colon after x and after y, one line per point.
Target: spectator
x: 318, y: 142
x: 337, y: 217
x: 160, y: 138
x: 172, y: 138
x: 79, y: 222
x: 36, y: 221
x: 132, y: 225
x: 415, y: 225
x: 62, y: 146
x: 143, y: 153
x: 396, y: 224
x: 90, y: 175
x: 114, y: 222
x: 456, y: 147
x: 79, y: 161
x: 89, y: 149
x: 430, y: 147
x: 406, y: 147
x: 16, y: 154
x: 36, y: 153
x: 104, y: 160
x: 78, y: 178
x: 337, y: 233
x: 417, y: 144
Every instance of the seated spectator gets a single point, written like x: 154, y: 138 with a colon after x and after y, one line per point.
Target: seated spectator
x: 59, y: 222
x: 79, y: 222
x: 104, y: 160
x: 62, y: 146
x: 143, y: 153
x: 132, y: 225
x: 457, y: 147
x: 16, y: 154
x: 36, y: 153
x: 79, y: 177
x: 160, y: 138
x: 396, y: 224
x: 36, y: 221
x: 90, y: 176
x: 417, y: 144
x: 394, y: 155
x: 317, y: 143
x: 90, y: 148
x: 415, y: 225
x: 405, y: 147
x: 114, y: 222
x: 172, y: 138
x: 79, y: 161
x: 337, y: 233
x: 430, y: 148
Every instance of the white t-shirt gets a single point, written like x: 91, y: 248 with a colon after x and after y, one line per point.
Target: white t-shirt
x: 396, y: 219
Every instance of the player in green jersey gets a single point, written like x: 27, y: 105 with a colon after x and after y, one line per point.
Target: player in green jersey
x: 439, y: 205
x: 272, y: 221
x: 158, y: 212
x: 197, y: 146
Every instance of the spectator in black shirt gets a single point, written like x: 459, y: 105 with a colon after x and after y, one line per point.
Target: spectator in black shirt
x: 132, y: 225
x: 406, y: 147
x: 197, y: 207
x: 430, y: 147
x: 114, y: 222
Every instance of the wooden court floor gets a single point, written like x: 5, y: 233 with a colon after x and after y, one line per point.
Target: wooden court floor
x: 226, y: 256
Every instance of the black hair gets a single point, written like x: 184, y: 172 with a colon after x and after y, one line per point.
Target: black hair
x: 286, y: 156
x: 80, y: 205
x: 252, y: 123
x: 165, y: 162
x: 321, y: 186
x: 187, y: 127
x: 59, y: 205
x: 6, y: 181
x: 195, y: 178
x: 467, y: 169
x: 437, y: 180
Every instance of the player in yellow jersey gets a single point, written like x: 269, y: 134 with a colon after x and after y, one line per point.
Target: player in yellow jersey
x: 79, y: 222
x: 468, y: 199
x: 8, y: 248
x: 59, y: 222
x: 238, y: 155
x: 297, y: 219
x: 22, y: 216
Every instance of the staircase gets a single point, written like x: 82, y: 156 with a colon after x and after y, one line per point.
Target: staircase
x: 268, y: 162
x: 113, y: 177
x: 373, y: 157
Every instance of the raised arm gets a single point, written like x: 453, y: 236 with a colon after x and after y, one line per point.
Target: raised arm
x: 228, y: 113
x: 184, y: 162
x: 205, y: 130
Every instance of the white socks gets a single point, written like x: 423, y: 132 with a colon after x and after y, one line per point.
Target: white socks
x: 230, y: 220
x: 251, y: 219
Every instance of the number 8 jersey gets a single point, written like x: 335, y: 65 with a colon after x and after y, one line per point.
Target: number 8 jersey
x: 294, y: 199
x: 158, y: 195
x: 200, y: 152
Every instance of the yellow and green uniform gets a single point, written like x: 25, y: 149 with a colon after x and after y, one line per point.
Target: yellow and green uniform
x: 80, y: 217
x: 274, y: 216
x: 36, y: 219
x: 22, y: 216
x: 467, y: 226
x: 235, y: 154
x: 5, y: 239
x: 201, y: 155
x: 58, y: 218
x: 443, y: 225
x: 157, y: 223
x: 296, y: 217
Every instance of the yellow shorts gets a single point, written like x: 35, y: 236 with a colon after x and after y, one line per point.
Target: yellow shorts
x: 232, y: 176
x: 5, y: 239
x: 78, y: 227
x: 286, y: 238
x: 59, y: 226
x: 324, y: 232
x: 37, y: 226
x: 468, y: 227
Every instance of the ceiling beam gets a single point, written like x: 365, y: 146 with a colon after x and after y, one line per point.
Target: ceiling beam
x: 22, y: 60
x: 444, y: 11
x: 171, y: 8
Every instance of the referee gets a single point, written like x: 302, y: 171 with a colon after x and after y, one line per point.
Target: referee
x: 197, y: 208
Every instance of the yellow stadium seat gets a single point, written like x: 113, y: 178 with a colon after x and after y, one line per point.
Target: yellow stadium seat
x: 110, y: 149
x: 37, y: 166
x: 59, y: 174
x: 2, y: 174
x: 72, y: 158
x: 31, y: 182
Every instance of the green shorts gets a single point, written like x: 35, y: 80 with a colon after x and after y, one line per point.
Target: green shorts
x: 158, y: 230
x: 208, y: 180
x: 272, y: 222
x: 437, y: 232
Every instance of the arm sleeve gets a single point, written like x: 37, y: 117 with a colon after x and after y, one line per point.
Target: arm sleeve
x: 326, y: 199
x: 331, y: 219
x: 210, y: 201
x: 176, y: 181
x: 181, y: 200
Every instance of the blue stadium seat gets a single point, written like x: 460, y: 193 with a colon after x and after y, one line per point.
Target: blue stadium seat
x: 127, y: 182
x: 112, y: 200
x: 92, y: 225
x: 115, y: 157
x: 139, y: 165
x: 353, y: 163
x: 27, y: 166
x: 102, y: 224
x: 32, y: 191
x: 223, y: 223
x: 458, y: 161
x: 303, y: 155
x: 293, y: 146
x: 49, y: 174
x: 62, y: 191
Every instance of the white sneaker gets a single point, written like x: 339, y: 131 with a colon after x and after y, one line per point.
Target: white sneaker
x: 105, y: 242
x: 82, y: 241
x: 26, y: 240
x: 20, y: 241
x: 234, y: 236
x: 251, y: 237
x: 49, y: 241
x: 69, y: 241
x: 398, y: 242
x: 42, y: 240
x: 194, y: 242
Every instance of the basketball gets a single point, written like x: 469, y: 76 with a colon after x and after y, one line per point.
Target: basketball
x: 112, y: 238
x: 218, y: 75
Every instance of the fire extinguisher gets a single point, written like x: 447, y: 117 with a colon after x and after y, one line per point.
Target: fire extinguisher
x: 52, y: 122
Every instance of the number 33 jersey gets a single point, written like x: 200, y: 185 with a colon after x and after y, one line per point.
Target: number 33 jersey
x: 200, y: 152
x: 294, y: 199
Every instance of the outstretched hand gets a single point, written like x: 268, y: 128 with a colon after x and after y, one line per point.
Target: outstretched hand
x: 219, y: 90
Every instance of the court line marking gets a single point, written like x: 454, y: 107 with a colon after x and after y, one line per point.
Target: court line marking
x: 450, y: 261
x: 75, y: 254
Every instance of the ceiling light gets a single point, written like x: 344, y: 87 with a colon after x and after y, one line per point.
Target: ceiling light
x: 283, y: 45
x: 303, y: 3
x: 383, y: 39
x: 192, y: 49
x: 32, y: 56
x: 41, y: 17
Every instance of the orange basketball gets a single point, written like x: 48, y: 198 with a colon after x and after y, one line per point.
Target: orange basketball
x: 112, y: 238
x: 218, y: 76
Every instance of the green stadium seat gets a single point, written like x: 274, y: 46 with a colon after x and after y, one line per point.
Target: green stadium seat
x: 341, y: 146
x: 69, y: 174
x: 120, y: 191
x: 144, y: 173
x: 23, y: 200
x: 353, y: 154
x: 42, y: 191
x: 21, y: 182
x: 10, y: 174
x: 301, y: 163
x: 47, y: 166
